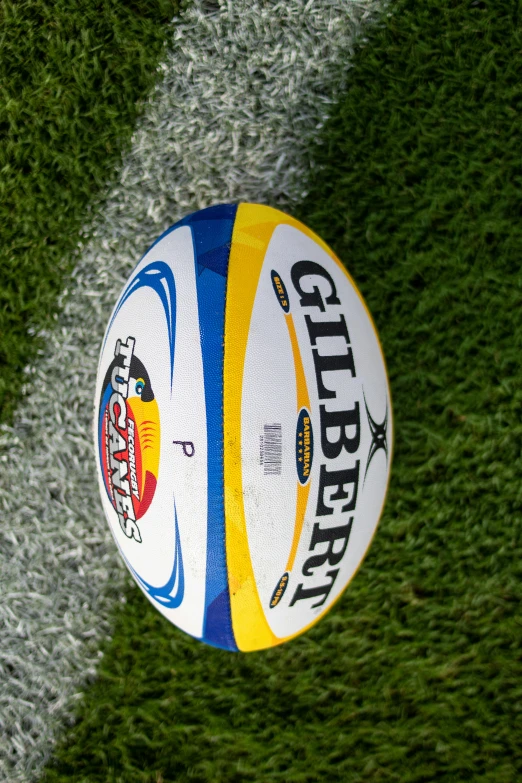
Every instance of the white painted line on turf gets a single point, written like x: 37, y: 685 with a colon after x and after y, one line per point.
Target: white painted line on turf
x: 244, y: 89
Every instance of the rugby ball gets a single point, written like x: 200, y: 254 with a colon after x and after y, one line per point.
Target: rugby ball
x: 243, y: 426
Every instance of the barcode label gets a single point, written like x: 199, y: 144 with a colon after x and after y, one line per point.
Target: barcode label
x: 271, y: 449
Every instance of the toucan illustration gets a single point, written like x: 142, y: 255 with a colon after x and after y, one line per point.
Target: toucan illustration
x: 142, y: 434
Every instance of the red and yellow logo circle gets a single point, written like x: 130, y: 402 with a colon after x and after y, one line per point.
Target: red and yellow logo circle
x: 129, y: 437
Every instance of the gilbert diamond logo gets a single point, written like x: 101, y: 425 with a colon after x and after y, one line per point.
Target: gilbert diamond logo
x: 378, y: 431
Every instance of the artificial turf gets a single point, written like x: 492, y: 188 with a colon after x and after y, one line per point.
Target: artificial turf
x: 73, y: 76
x: 415, y: 675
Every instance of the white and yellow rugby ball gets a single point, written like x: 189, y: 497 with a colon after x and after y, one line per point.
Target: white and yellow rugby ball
x: 243, y: 426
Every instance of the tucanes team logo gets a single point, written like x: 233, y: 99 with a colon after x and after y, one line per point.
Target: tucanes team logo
x: 129, y: 437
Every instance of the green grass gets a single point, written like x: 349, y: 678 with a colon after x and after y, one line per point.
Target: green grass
x: 415, y: 675
x: 72, y: 76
